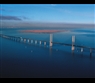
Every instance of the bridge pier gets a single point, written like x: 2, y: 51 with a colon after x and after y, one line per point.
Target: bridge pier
x: 44, y: 43
x: 31, y: 41
x: 81, y: 49
x: 40, y: 42
x: 51, y: 39
x: 35, y: 41
x: 28, y: 40
x: 73, y: 41
x: 24, y: 40
x: 21, y: 39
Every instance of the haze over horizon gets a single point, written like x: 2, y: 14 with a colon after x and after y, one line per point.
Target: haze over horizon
x: 47, y: 15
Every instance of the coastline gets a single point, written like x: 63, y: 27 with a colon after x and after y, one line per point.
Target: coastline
x: 43, y: 31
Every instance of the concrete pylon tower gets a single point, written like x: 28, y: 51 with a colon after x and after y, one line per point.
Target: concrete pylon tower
x: 73, y: 42
x: 51, y: 39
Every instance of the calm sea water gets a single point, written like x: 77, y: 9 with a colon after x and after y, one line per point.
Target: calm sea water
x: 35, y: 61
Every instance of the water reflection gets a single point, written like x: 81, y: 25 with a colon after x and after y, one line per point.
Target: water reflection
x: 90, y: 57
x: 72, y: 52
x: 50, y: 51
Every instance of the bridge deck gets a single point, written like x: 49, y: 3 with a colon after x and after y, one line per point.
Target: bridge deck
x: 48, y: 41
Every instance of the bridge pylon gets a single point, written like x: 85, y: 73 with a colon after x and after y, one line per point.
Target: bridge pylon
x: 73, y: 42
x: 51, y: 39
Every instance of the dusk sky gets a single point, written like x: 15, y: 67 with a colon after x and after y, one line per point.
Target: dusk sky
x: 47, y: 13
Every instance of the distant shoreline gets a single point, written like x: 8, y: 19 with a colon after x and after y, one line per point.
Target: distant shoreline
x: 43, y: 31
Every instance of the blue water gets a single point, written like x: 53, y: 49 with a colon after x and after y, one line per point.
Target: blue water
x: 35, y: 61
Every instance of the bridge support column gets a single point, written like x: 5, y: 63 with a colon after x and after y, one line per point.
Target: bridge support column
x: 81, y: 49
x: 21, y: 38
x: 35, y: 42
x: 44, y: 43
x: 73, y: 41
x: 51, y: 39
x: 24, y: 40
x: 28, y: 40
x: 40, y: 42
x: 31, y: 41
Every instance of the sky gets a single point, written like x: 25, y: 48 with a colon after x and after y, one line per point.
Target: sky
x: 25, y: 14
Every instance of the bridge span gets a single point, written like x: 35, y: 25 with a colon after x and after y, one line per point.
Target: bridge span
x: 28, y: 40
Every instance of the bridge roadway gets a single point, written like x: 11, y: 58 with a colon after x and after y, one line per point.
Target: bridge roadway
x: 14, y: 37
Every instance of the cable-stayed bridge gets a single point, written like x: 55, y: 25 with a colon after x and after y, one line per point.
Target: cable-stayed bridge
x: 50, y: 42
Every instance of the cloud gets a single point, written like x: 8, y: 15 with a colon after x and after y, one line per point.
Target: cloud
x: 9, y: 18
x: 24, y: 17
